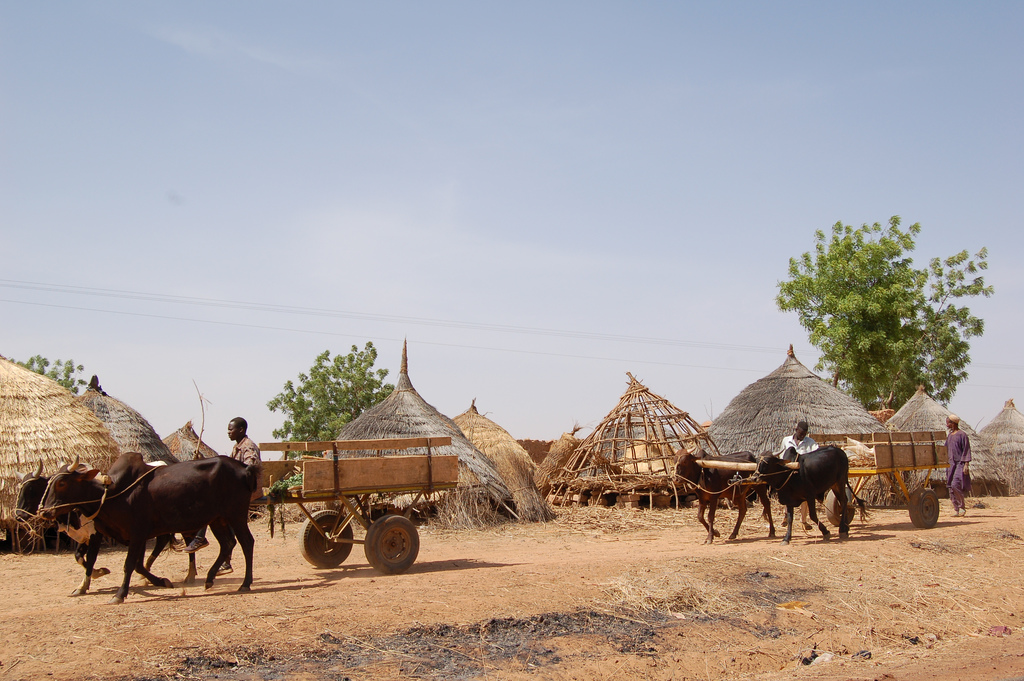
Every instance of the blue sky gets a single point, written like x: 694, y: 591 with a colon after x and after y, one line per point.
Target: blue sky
x: 539, y: 196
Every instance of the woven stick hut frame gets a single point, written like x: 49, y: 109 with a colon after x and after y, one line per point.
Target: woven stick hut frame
x: 632, y: 450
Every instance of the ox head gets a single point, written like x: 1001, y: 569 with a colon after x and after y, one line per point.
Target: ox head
x: 30, y: 492
x: 771, y: 469
x: 68, y: 487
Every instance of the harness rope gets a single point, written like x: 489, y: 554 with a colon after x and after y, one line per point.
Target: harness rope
x: 106, y: 481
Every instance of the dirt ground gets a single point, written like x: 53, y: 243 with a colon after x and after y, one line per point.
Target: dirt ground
x: 597, y: 594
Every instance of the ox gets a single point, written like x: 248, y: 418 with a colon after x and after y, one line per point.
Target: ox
x: 32, y: 486
x: 712, y: 484
x: 136, y: 502
x: 816, y: 473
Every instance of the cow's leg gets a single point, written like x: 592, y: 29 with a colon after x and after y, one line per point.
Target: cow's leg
x: 789, y: 524
x: 132, y: 562
x: 804, y: 510
x: 158, y: 547
x: 741, y: 505
x: 712, y: 507
x: 702, y: 508
x: 766, y: 503
x: 92, y: 549
x: 840, y: 491
x: 226, y: 540
x: 245, y: 539
x: 813, y: 511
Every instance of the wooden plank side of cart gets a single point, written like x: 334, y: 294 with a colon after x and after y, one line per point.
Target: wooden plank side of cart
x: 327, y: 478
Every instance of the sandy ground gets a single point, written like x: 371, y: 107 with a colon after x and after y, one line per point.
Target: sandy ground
x: 597, y: 594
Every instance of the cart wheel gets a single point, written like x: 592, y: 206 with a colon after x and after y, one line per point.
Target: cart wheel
x: 392, y: 544
x: 924, y: 508
x: 316, y: 549
x: 832, y: 507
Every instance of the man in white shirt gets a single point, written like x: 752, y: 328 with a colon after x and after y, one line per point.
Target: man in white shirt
x: 798, y: 441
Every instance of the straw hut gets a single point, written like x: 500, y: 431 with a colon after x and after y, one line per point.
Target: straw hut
x: 40, y: 421
x: 1004, y: 436
x: 537, y: 449
x: 630, y: 456
x: 132, y: 432
x: 767, y: 410
x: 922, y: 412
x: 404, y: 413
x: 184, y: 443
x: 512, y: 460
x: 559, y: 453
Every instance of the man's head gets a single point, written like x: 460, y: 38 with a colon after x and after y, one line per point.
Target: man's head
x: 236, y: 428
x: 800, y: 432
x: 953, y: 422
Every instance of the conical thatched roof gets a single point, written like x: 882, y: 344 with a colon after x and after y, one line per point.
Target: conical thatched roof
x: 1004, y: 436
x: 131, y: 430
x: 767, y: 410
x: 41, y: 421
x: 513, y: 462
x: 184, y: 442
x: 921, y: 412
x: 553, y: 465
x: 404, y: 413
x: 633, y: 449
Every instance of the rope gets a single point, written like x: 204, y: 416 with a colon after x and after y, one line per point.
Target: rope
x: 107, y: 482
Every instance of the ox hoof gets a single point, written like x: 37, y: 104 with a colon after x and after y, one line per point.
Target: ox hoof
x: 166, y: 583
x: 115, y: 600
x: 244, y: 588
x: 208, y: 585
x: 78, y: 592
x: 785, y: 542
x: 100, y: 572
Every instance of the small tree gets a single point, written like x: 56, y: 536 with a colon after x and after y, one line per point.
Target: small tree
x: 65, y: 373
x: 883, y: 326
x: 332, y: 394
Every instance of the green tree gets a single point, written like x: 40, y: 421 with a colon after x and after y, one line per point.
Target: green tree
x: 332, y: 394
x: 65, y: 373
x: 883, y: 326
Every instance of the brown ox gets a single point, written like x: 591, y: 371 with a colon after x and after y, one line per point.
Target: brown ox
x: 712, y: 484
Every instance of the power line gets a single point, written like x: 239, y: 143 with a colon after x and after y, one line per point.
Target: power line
x: 344, y: 314
x: 348, y: 335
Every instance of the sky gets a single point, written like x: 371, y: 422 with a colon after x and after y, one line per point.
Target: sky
x: 198, y: 198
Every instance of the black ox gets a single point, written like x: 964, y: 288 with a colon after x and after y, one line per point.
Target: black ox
x: 712, y: 484
x: 136, y: 502
x: 32, y: 487
x: 817, y: 472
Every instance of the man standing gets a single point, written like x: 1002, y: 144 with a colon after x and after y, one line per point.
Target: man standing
x: 958, y: 479
x: 798, y: 441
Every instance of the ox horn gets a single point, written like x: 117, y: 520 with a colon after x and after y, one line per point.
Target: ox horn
x: 39, y: 471
x: 74, y: 467
x: 19, y: 477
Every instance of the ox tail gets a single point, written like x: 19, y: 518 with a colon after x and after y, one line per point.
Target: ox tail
x: 252, y: 476
x: 864, y: 515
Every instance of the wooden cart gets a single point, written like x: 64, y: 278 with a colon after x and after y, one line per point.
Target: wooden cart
x: 897, y: 453
x: 360, y: 485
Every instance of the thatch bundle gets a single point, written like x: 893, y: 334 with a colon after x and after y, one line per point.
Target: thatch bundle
x: 131, y: 430
x: 512, y: 460
x: 766, y: 411
x: 559, y: 453
x: 1004, y: 436
x: 41, y: 421
x: 184, y: 443
x: 537, y: 449
x: 404, y: 413
x: 920, y: 413
x: 632, y: 450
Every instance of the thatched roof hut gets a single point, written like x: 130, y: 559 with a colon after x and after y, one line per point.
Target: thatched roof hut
x: 131, y: 430
x: 631, y: 452
x: 922, y: 412
x: 767, y: 410
x: 559, y: 453
x: 1004, y: 436
x: 513, y: 462
x: 184, y: 443
x: 41, y: 421
x: 404, y: 413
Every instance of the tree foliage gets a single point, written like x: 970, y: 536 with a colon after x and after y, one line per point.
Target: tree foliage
x: 64, y: 372
x: 883, y: 327
x: 332, y: 394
